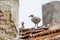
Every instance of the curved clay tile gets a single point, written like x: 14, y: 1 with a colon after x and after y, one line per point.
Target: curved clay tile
x: 56, y: 37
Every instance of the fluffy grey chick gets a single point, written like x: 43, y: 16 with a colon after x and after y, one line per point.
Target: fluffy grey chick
x: 35, y: 20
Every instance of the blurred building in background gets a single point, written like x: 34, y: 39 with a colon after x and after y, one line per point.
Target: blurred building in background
x: 51, y: 12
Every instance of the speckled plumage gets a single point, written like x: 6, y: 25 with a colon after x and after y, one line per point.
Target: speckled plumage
x: 35, y: 20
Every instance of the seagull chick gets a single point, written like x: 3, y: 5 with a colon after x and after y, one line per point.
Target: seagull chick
x: 35, y: 20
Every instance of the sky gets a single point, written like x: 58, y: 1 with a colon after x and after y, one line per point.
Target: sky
x: 28, y: 7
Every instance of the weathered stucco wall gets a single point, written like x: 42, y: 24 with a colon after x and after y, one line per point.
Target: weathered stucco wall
x: 50, y: 12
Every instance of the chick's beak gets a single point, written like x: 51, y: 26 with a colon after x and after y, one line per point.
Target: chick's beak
x: 29, y: 16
